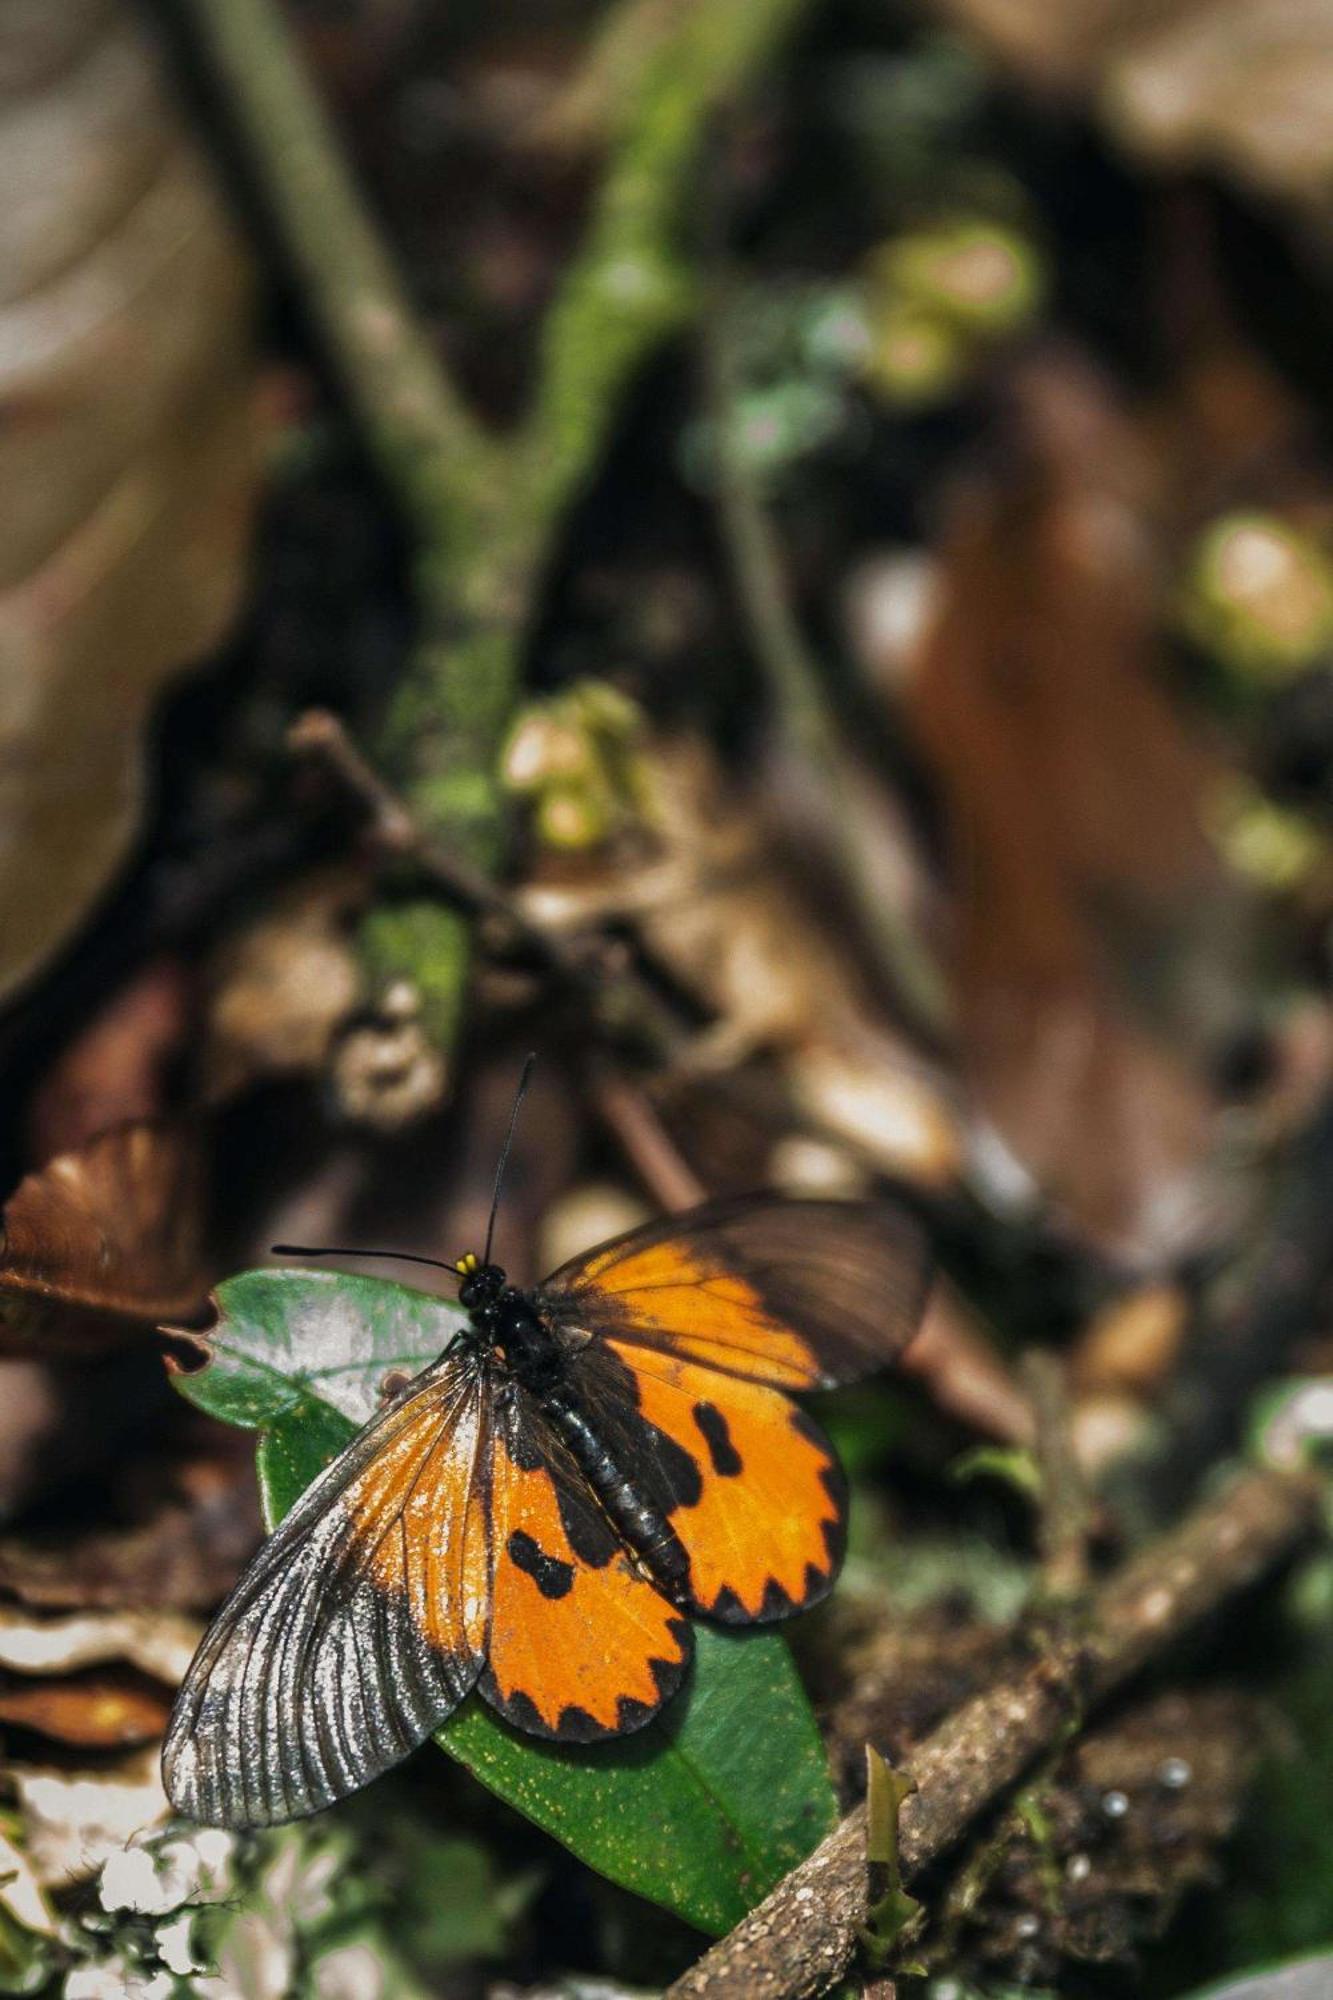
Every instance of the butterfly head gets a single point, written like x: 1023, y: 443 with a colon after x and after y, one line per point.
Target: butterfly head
x: 481, y: 1284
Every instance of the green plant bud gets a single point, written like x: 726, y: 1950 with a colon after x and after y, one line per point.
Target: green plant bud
x: 545, y: 746
x: 983, y: 277
x: 1274, y: 848
x: 1258, y: 595
x: 572, y: 818
x: 916, y: 357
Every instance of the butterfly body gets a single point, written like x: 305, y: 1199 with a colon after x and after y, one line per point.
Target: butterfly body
x: 508, y: 1322
x: 541, y: 1511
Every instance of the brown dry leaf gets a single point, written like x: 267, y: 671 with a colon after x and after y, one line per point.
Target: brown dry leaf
x: 114, y: 1069
x: 89, y: 1681
x: 1100, y: 945
x: 102, y: 1242
x: 1133, y: 1342
x: 1240, y: 84
x: 129, y: 452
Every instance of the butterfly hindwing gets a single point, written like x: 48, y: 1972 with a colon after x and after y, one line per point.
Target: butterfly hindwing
x: 746, y: 1479
x: 583, y: 1645
x: 358, y: 1627
x: 795, y: 1294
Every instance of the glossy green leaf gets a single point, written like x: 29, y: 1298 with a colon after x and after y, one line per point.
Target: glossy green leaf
x: 1298, y: 1979
x: 704, y: 1809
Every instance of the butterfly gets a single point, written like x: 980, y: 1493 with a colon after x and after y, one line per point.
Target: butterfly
x: 539, y: 1514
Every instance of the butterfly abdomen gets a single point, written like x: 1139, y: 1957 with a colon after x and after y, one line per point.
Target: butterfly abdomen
x: 643, y: 1525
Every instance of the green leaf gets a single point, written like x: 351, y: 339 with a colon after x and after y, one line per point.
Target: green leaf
x: 702, y: 1811
x: 1300, y: 1979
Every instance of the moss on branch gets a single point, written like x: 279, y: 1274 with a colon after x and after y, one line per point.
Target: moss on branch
x: 483, y: 514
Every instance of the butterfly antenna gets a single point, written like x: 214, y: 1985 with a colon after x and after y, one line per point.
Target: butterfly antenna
x: 347, y: 1250
x: 519, y: 1095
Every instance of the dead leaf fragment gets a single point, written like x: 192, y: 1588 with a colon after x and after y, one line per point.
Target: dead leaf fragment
x: 281, y: 989
x: 72, y: 1824
x: 106, y: 1711
x: 159, y: 1643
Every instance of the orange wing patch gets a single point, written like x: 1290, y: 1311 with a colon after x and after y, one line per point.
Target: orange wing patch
x: 582, y: 1644
x: 438, y: 1562
x: 358, y: 1627
x: 668, y: 1294
x: 766, y: 1533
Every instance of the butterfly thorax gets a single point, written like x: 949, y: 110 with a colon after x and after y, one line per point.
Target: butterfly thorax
x: 506, y: 1320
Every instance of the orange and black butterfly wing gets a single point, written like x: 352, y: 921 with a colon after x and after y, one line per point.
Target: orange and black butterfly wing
x: 583, y: 1645
x: 748, y: 1481
x: 358, y: 1627
x: 797, y: 1294
x: 684, y: 1338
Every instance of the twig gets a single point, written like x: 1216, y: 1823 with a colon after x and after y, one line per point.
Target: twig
x: 802, y: 708
x: 429, y: 448
x: 613, y: 990
x: 628, y: 1112
x: 803, y: 1935
x: 1064, y: 1512
x: 484, y: 515
x: 965, y: 1374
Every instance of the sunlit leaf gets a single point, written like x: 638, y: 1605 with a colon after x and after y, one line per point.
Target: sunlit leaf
x: 1305, y: 1979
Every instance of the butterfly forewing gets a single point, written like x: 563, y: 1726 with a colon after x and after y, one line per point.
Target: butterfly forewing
x: 582, y: 1644
x: 359, y: 1626
x: 796, y: 1294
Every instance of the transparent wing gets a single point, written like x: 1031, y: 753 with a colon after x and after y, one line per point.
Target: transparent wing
x: 797, y: 1294
x: 358, y: 1627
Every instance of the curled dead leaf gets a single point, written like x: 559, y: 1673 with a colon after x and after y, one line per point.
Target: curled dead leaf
x: 103, y: 1242
x: 705, y: 884
x: 129, y: 455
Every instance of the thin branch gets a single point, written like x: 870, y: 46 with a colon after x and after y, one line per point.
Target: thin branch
x: 627, y: 1111
x: 1065, y: 1507
x: 430, y: 450
x: 614, y: 991
x: 803, y: 1935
